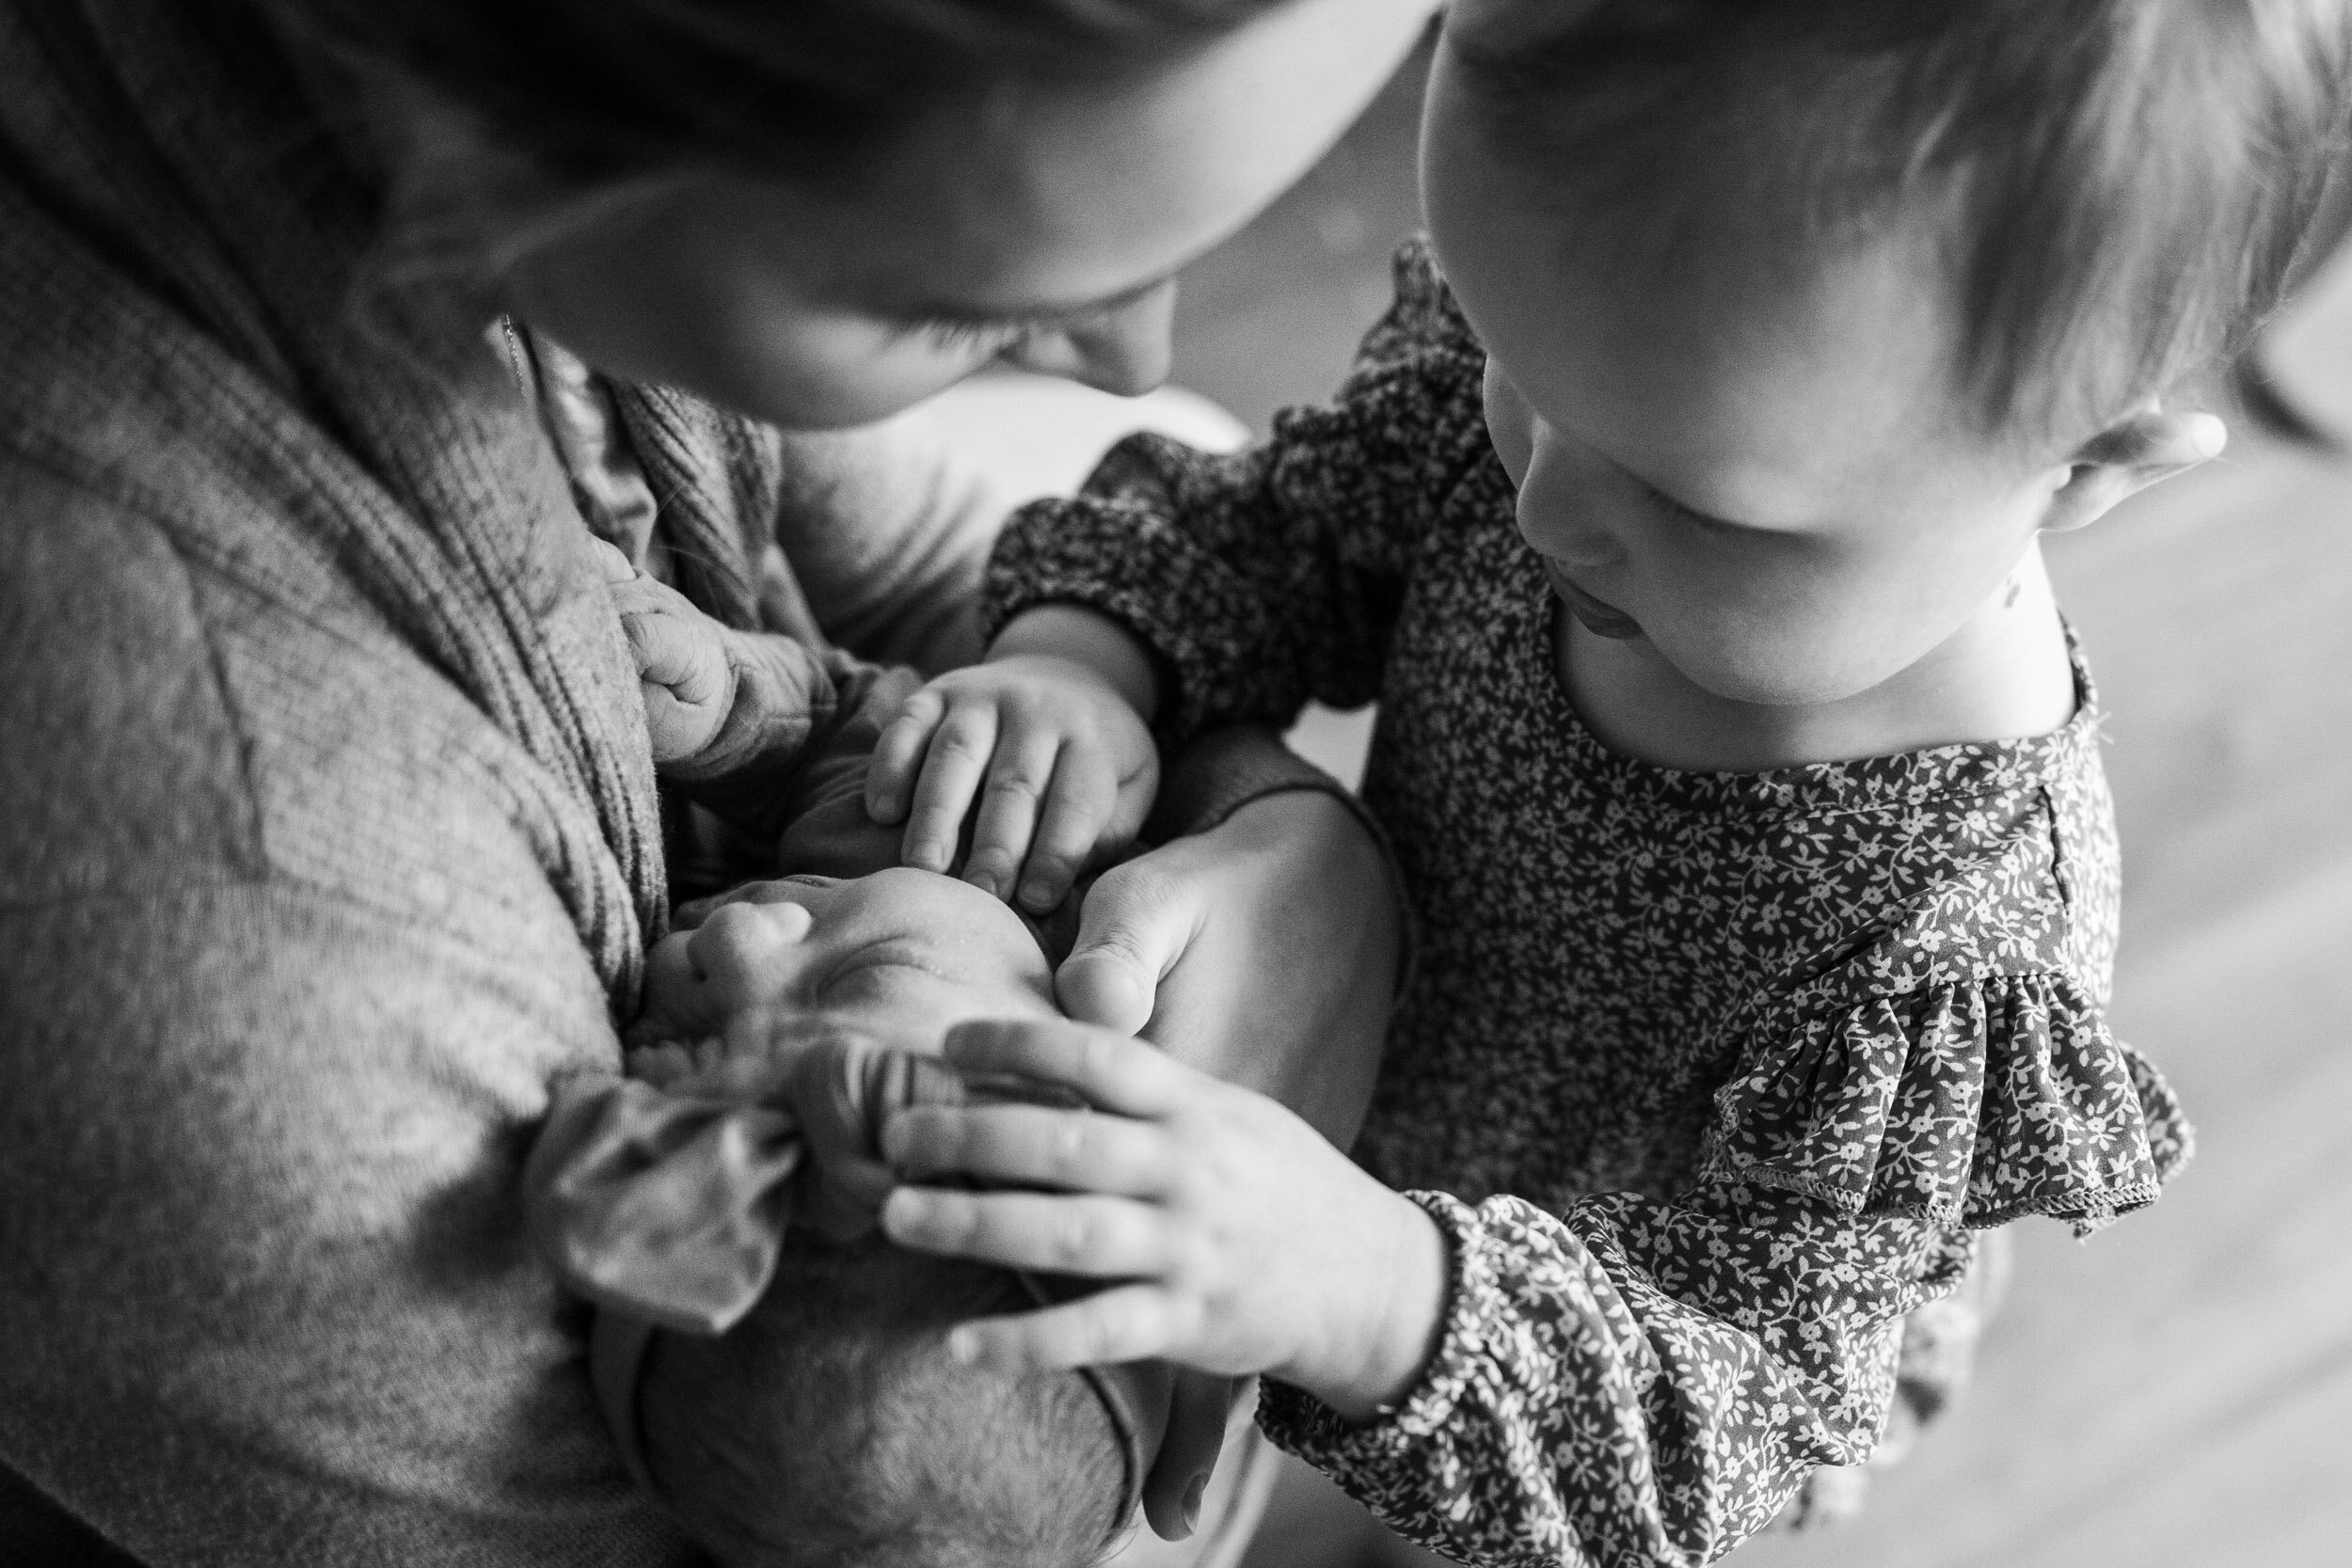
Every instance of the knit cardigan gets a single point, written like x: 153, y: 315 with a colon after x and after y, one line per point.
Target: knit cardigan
x: 328, y: 831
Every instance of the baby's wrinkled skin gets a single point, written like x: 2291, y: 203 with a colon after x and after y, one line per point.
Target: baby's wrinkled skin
x: 895, y: 949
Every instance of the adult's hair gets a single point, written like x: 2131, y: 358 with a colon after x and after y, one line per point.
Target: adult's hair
x: 831, y: 1428
x: 2123, y: 185
x: 593, y: 90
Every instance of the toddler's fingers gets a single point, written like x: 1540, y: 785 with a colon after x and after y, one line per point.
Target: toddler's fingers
x: 1112, y: 1071
x: 1077, y: 809
x: 1030, y: 1146
x: 1129, y: 1323
x: 952, y: 767
x: 1018, y: 778
x: 1098, y: 1238
x: 890, y: 774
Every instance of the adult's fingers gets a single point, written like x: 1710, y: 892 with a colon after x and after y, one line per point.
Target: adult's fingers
x: 1134, y: 928
x: 1128, y: 1322
x: 890, y: 773
x: 1111, y: 1071
x: 1018, y: 777
x: 1030, y: 1146
x: 1098, y: 1238
x: 1196, y: 1418
x: 1078, y: 809
x: 953, y: 764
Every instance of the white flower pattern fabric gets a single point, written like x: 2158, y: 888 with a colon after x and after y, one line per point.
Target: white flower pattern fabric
x: 1707, y: 1077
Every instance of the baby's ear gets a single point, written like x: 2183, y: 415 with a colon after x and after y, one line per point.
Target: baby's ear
x: 2144, y: 447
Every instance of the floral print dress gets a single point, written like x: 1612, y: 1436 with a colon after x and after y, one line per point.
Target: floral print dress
x: 1707, y: 1077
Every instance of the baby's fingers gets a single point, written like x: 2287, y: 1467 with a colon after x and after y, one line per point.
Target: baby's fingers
x: 1131, y: 1322
x: 953, y: 764
x: 1101, y: 1238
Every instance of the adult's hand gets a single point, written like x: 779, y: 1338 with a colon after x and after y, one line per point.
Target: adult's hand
x: 1263, y: 952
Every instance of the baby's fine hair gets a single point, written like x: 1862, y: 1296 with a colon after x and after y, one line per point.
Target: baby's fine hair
x: 831, y: 1429
x: 2123, y: 185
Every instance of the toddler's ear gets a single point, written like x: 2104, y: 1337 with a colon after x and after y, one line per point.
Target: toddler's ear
x: 2144, y: 447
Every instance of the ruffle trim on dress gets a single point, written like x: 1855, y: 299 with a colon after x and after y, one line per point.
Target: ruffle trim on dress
x: 1976, y: 1101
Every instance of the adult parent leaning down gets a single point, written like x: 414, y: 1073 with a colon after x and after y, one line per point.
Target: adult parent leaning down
x: 328, y: 832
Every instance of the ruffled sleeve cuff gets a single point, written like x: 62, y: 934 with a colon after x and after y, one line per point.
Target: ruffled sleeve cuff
x: 1974, y: 1103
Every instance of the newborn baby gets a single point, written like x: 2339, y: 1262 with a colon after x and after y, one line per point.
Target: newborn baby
x: 797, y: 1404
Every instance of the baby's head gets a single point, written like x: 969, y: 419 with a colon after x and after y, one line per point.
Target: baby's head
x: 898, y: 949
x: 828, y: 1427
x: 1805, y: 317
x: 831, y: 1429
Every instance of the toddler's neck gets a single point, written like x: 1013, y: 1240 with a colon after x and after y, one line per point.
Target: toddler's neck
x: 2003, y: 675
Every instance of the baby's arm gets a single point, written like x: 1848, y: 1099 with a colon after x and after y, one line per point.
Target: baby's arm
x: 1056, y: 725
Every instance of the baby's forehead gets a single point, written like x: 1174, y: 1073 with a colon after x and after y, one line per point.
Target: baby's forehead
x: 901, y: 900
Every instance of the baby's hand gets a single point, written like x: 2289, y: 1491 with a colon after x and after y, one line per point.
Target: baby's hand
x: 1069, y: 768
x: 682, y: 668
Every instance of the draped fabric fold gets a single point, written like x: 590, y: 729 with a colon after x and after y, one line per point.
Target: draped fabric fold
x: 667, y: 1195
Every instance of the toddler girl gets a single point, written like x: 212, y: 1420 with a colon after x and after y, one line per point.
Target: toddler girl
x: 1682, y: 514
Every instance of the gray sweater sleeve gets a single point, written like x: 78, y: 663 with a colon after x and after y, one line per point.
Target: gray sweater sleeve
x: 274, y: 1291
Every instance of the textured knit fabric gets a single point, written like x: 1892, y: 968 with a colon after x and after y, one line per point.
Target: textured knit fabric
x: 329, y: 829
x: 1703, y: 1075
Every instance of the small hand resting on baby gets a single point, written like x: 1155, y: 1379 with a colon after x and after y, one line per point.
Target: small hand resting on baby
x: 1339, y: 1289
x: 1052, y: 734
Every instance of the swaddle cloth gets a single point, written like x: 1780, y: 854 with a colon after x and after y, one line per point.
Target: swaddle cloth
x: 666, y: 1198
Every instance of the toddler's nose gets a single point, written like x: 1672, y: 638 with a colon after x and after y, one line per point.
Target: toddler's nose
x: 1555, y: 514
x: 746, y: 945
x: 1126, y: 348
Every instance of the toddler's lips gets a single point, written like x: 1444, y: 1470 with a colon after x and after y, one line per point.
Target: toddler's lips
x: 1599, y: 618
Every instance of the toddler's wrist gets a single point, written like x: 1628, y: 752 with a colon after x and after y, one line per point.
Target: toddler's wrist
x: 1374, y: 1361
x: 1090, y: 640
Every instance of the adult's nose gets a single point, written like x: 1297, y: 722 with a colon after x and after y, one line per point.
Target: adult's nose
x: 1126, y: 348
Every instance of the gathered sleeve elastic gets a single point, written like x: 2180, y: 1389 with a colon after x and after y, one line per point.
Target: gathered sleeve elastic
x: 1264, y: 580
x: 1647, y: 1382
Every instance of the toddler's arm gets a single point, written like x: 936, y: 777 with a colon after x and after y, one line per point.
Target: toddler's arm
x: 1055, y: 725
x: 1259, y: 580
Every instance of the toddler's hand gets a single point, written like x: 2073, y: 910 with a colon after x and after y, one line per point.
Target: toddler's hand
x: 1244, y: 1242
x: 1069, y: 766
x: 682, y: 668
